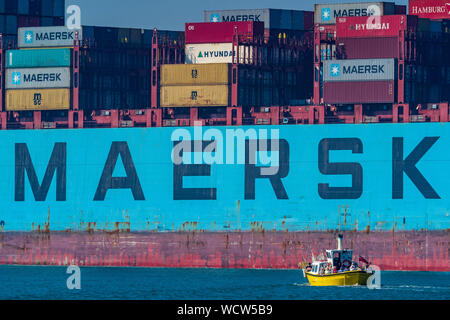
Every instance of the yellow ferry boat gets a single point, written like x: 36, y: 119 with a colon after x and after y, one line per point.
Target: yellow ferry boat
x: 338, y: 269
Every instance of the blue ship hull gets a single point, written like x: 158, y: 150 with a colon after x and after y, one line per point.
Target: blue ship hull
x: 376, y: 179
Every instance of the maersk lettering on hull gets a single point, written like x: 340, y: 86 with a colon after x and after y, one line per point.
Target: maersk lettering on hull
x: 373, y: 176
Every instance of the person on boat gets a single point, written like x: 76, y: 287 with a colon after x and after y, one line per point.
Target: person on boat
x: 363, y: 263
x: 322, y: 270
x: 309, y: 267
x: 353, y: 267
x: 327, y: 269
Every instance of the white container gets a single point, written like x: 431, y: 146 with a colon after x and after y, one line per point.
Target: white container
x: 327, y: 13
x: 33, y: 37
x: 216, y: 53
x: 37, y: 78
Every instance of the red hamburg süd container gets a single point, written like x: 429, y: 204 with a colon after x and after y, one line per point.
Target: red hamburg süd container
x: 381, y: 26
x: 367, y: 48
x: 221, y: 32
x: 351, y: 92
x: 431, y: 9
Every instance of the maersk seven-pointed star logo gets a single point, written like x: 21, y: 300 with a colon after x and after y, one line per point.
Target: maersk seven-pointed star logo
x: 215, y: 17
x: 326, y: 14
x: 16, y: 78
x: 28, y: 36
x: 335, y: 70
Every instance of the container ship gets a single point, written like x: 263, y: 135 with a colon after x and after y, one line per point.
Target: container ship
x: 249, y: 140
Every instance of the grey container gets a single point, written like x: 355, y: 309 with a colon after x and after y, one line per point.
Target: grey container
x: 262, y: 15
x: 327, y: 13
x: 359, y: 70
x: 272, y: 18
x: 33, y: 37
x: 37, y: 78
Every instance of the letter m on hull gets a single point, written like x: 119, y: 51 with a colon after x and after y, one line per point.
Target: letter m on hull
x: 57, y: 163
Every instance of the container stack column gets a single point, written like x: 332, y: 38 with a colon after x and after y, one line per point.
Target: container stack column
x: 37, y: 119
x: 3, y: 116
x: 234, y: 116
x: 443, y: 108
x: 358, y: 113
x: 401, y: 67
x: 75, y: 112
x: 76, y: 69
x: 234, y: 70
x: 193, y: 115
x: 394, y: 113
x: 316, y: 90
x: 155, y: 67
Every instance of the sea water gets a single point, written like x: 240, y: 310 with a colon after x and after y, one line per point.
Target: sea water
x: 45, y: 282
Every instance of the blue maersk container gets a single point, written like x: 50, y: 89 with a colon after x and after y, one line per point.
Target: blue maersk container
x: 39, y: 58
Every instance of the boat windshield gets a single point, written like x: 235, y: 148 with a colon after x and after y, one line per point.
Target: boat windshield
x: 318, y: 268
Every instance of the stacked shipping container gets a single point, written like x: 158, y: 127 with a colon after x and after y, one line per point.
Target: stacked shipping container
x: 213, y: 42
x: 29, y: 13
x: 354, y: 81
x: 115, y: 67
x: 278, y: 23
x: 195, y: 85
x: 326, y: 16
x: 116, y: 62
x: 113, y: 78
x: 273, y: 78
x: 355, y: 33
x: 109, y: 37
x: 205, y: 80
x: 40, y: 79
x: 400, y: 37
x: 209, y: 85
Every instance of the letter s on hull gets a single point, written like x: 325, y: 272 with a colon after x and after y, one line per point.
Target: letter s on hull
x: 352, y: 168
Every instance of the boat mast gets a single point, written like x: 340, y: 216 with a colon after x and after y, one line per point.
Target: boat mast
x: 339, y: 241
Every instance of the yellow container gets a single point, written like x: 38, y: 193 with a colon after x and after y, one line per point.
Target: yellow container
x: 195, y: 74
x: 194, y: 96
x: 37, y: 99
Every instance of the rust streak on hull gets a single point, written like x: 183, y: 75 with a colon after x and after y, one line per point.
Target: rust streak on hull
x: 399, y: 250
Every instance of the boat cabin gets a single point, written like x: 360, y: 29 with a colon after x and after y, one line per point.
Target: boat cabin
x: 336, y: 258
x: 318, y: 266
x: 339, y: 258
